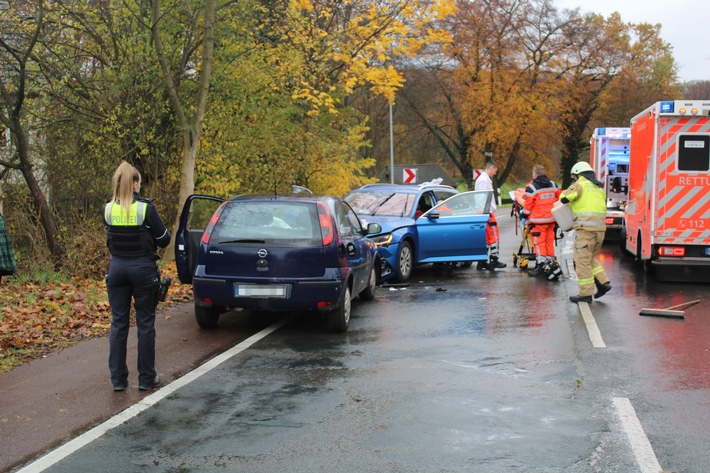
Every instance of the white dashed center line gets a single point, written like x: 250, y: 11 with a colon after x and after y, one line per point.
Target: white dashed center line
x: 645, y: 457
x: 594, y: 334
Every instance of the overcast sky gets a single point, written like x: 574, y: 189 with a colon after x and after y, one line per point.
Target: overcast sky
x: 684, y: 24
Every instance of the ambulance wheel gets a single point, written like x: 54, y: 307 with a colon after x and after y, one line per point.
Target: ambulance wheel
x: 648, y: 268
x: 645, y: 264
x: 622, y: 242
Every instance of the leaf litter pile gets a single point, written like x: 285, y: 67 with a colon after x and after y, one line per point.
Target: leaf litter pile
x: 39, y: 319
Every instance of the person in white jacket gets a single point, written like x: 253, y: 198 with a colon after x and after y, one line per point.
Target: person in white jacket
x: 485, y: 182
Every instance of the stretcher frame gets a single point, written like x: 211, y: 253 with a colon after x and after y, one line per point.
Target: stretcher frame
x: 525, y: 252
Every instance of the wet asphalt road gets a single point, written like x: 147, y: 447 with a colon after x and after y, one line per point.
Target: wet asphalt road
x: 459, y: 371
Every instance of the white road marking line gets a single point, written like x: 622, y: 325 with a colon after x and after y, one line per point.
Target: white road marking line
x: 645, y: 457
x: 86, y: 438
x: 594, y: 334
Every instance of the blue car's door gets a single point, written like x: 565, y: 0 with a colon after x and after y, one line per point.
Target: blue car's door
x: 455, y: 230
x: 196, y: 214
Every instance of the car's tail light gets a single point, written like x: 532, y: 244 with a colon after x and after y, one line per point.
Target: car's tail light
x: 610, y: 221
x: 210, y: 226
x: 326, y: 224
x: 676, y: 251
x: 324, y: 304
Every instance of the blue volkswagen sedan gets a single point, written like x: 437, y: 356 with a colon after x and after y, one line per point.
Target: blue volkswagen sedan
x: 427, y: 223
x: 272, y: 253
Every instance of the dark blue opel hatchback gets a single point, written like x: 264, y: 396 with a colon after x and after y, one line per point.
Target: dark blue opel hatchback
x: 272, y: 253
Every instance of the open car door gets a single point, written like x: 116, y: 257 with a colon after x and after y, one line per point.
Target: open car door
x: 196, y: 214
x: 455, y: 230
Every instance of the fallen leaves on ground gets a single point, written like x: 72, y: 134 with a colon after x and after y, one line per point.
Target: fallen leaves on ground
x: 39, y: 319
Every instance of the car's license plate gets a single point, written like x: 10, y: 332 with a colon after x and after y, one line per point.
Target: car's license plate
x: 260, y: 290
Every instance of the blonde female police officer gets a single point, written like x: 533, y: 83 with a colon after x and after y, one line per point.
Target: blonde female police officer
x: 134, y: 230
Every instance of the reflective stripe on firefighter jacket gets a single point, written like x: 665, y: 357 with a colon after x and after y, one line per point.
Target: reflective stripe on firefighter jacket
x: 127, y: 235
x: 537, y: 207
x: 588, y: 204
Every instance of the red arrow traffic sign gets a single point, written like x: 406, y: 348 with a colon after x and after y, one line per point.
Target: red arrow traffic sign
x: 409, y: 175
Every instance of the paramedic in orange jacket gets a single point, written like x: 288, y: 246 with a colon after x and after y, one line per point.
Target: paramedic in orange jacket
x: 540, y: 195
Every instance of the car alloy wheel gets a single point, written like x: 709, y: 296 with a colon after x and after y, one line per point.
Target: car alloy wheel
x: 207, y: 317
x: 406, y: 261
x: 340, y: 318
x: 369, y: 292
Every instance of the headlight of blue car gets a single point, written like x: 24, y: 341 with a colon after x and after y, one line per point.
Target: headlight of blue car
x: 382, y: 240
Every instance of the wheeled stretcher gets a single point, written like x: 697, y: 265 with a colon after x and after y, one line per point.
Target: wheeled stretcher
x: 525, y: 252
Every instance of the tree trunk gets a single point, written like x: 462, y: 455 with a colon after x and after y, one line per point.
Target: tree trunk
x: 191, y: 127
x: 46, y: 219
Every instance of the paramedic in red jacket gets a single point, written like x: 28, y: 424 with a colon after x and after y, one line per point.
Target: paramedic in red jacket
x: 540, y: 195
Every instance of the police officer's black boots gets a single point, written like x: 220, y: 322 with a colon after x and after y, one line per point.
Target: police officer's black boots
x: 495, y: 264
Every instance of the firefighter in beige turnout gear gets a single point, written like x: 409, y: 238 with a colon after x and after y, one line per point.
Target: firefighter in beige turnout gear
x: 588, y: 203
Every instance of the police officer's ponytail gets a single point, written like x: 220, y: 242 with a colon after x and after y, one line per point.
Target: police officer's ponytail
x: 123, y: 180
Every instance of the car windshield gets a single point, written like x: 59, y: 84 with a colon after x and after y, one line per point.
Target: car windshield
x: 383, y: 203
x: 290, y: 224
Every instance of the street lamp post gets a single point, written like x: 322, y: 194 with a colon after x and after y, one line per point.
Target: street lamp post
x: 391, y: 148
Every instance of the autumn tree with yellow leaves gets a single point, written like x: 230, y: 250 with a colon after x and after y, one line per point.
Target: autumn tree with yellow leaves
x: 521, y: 82
x: 499, y: 86
x: 296, y: 65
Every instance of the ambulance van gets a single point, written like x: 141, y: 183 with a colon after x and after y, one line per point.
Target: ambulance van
x: 609, y: 157
x: 667, y: 218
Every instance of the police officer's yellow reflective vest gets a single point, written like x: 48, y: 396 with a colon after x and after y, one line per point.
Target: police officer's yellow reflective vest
x: 588, y: 204
x: 127, y: 234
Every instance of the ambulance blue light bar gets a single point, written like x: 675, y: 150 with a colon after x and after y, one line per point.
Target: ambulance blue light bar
x: 668, y: 106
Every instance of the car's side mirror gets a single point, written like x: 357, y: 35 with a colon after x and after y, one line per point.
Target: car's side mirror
x: 433, y: 215
x: 373, y: 228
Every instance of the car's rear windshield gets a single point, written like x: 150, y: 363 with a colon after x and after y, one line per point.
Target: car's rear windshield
x: 383, y: 203
x: 284, y: 224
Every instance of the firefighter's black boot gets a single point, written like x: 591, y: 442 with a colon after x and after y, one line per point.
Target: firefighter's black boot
x: 601, y: 288
x: 538, y: 271
x: 495, y: 264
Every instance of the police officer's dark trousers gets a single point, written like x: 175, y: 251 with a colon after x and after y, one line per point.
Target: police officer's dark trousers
x: 138, y: 279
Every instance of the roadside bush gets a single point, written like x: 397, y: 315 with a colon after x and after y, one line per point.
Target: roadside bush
x: 85, y: 246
